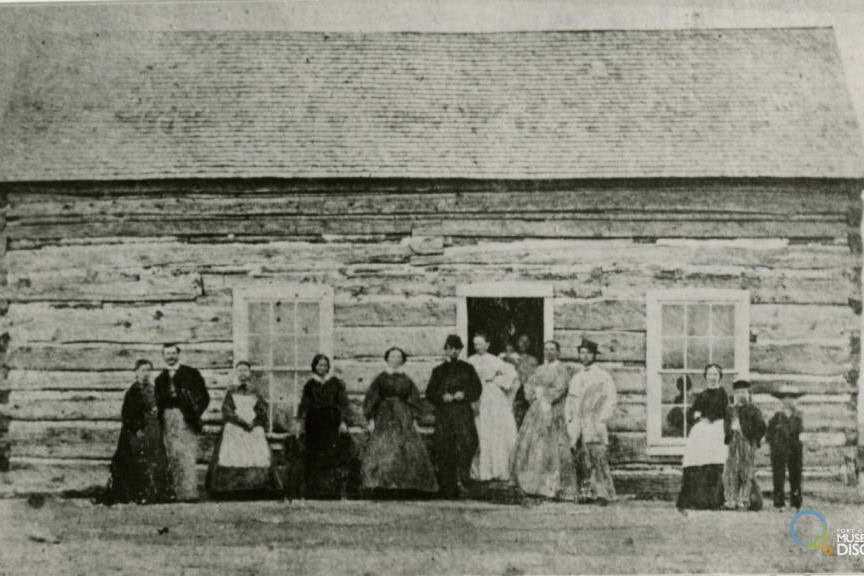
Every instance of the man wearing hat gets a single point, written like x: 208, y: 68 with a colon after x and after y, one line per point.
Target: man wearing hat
x: 744, y: 427
x: 453, y: 387
x: 590, y: 403
x: 784, y: 437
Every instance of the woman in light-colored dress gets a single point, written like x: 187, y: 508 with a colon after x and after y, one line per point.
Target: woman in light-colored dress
x: 542, y: 463
x: 241, y: 461
x: 496, y: 426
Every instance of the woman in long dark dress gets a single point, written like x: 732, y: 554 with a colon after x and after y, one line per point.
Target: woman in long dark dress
x: 326, y: 415
x: 395, y: 458
x: 706, y: 450
x: 139, y: 469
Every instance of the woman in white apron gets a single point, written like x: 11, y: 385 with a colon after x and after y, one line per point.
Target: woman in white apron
x: 241, y: 462
x: 706, y: 450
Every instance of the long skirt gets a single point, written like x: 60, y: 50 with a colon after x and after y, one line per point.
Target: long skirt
x: 542, y: 462
x: 704, y: 457
x: 496, y: 432
x: 181, y: 447
x: 241, y: 461
x: 395, y: 457
x: 139, y: 469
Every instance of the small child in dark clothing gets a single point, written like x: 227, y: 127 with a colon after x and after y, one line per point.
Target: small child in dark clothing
x: 784, y: 431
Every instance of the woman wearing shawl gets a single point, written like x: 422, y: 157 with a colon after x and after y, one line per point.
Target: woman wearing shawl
x: 139, y: 469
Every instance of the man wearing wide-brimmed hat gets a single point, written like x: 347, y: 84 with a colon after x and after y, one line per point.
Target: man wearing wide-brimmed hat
x: 784, y: 437
x: 591, y: 400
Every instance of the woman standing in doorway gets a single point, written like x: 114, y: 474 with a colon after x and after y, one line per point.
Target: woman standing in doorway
x: 496, y: 426
x: 706, y: 451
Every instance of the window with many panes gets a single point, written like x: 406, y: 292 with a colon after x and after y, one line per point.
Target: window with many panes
x: 687, y: 330
x: 279, y: 329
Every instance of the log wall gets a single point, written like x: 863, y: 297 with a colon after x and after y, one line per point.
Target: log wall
x: 97, y: 275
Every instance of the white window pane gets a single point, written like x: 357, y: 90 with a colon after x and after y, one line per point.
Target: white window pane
x: 723, y: 320
x: 259, y: 317
x: 673, y: 320
x: 284, y: 386
x: 724, y: 353
x: 697, y: 353
x: 673, y: 419
x: 307, y: 348
x: 673, y: 353
x: 283, y: 351
x: 307, y: 318
x: 697, y: 319
x: 283, y: 317
x: 259, y: 350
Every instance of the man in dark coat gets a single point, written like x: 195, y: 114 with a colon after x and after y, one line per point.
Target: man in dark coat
x: 744, y: 428
x: 181, y: 399
x: 453, y: 387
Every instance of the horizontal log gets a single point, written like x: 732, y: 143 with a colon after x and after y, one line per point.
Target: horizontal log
x: 174, y: 322
x: 623, y: 226
x: 830, y: 357
x: 791, y: 322
x: 118, y: 380
x: 599, y: 314
x: 276, y: 256
x: 86, y: 357
x: 373, y: 342
x: 587, y: 255
x: 768, y: 383
x: 290, y: 199
x: 82, y: 440
x: 613, y: 346
x: 81, y: 405
x: 395, y: 312
x: 192, y: 225
x: 83, y: 284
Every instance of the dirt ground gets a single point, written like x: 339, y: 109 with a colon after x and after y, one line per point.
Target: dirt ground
x: 429, y: 537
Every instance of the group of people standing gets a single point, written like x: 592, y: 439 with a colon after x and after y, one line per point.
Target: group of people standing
x: 720, y: 454
x: 504, y: 418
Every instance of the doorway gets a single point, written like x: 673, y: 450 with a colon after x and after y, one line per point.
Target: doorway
x: 504, y: 320
x: 504, y: 310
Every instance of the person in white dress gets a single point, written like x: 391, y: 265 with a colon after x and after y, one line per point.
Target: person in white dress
x: 496, y: 426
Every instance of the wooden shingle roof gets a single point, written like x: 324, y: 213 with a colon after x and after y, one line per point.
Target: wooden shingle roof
x: 534, y: 105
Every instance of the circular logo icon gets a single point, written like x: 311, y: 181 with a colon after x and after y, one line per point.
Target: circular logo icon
x: 821, y: 541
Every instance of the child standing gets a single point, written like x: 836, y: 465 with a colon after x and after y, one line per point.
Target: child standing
x: 784, y: 437
x: 745, y: 427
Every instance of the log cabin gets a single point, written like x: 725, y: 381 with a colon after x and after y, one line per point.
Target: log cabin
x: 678, y: 196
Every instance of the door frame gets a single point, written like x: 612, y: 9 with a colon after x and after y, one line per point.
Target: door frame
x: 503, y: 290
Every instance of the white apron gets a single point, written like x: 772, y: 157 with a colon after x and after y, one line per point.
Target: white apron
x: 242, y: 449
x: 705, y: 444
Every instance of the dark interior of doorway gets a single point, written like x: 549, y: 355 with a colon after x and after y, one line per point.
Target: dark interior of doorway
x: 505, y: 319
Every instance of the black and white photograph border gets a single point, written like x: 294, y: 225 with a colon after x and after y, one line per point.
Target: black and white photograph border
x: 431, y: 287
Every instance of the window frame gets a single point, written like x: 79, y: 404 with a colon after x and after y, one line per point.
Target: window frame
x: 655, y: 299
x: 293, y: 292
